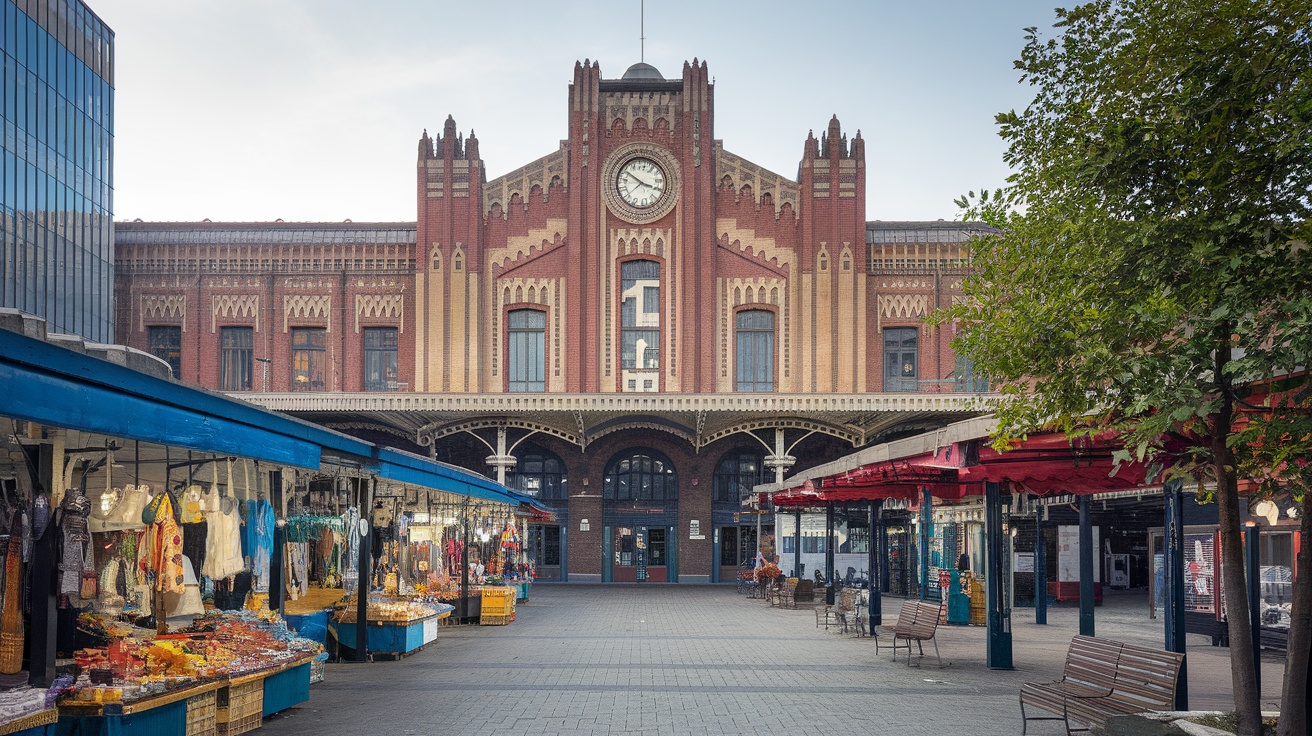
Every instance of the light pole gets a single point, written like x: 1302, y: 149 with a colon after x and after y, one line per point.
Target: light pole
x: 265, y: 362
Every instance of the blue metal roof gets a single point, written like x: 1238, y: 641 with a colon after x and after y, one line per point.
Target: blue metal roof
x: 52, y: 385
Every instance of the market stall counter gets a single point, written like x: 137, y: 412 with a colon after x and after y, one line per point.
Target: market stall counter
x: 396, y: 628
x: 39, y: 723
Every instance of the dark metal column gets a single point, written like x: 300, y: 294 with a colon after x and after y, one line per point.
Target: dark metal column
x: 797, y: 543
x: 926, y: 531
x: 365, y: 533
x: 277, y: 565
x: 829, y: 554
x: 43, y: 634
x: 999, y: 616
x: 1173, y: 528
x: 1040, y: 570
x: 1252, y: 562
x: 1086, y: 568
x: 884, y: 563
x: 873, y: 582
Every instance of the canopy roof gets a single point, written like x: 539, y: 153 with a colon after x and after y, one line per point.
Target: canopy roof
x: 957, y: 461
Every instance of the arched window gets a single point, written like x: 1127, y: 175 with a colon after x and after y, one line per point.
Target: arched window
x: 539, y: 473
x: 527, y: 350
x: 640, y: 475
x: 755, y: 351
x: 736, y: 474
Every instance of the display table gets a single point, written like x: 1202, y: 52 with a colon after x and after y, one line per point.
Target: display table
x: 33, y: 724
x: 163, y: 714
x: 394, y: 638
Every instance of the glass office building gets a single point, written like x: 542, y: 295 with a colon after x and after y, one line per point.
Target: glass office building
x: 58, y: 110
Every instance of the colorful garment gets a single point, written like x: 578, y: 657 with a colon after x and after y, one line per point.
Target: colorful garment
x: 223, y: 557
x: 160, y: 560
x: 259, y: 541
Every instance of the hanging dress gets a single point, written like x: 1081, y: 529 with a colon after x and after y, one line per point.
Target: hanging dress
x: 223, y: 542
x: 160, y: 560
x: 73, y: 524
x: 259, y: 535
x: 195, y: 528
x: 11, y: 620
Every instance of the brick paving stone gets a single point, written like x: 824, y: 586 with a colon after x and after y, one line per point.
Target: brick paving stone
x: 674, y: 659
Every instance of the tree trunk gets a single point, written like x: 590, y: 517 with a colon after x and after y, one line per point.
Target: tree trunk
x: 1243, y: 674
x: 1293, y: 702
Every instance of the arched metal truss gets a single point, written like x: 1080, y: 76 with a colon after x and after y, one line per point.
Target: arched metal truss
x: 855, y: 437
x: 430, y: 433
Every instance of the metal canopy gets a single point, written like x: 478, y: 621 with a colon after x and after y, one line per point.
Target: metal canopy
x: 699, y: 419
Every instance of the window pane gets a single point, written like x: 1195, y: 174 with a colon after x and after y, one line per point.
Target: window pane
x: 901, y: 359
x: 526, y: 359
x: 309, y: 360
x: 235, y: 358
x: 166, y: 344
x: 380, y: 359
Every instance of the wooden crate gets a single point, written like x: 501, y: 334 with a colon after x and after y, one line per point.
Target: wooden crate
x: 237, y: 702
x: 241, y: 725
x: 202, y: 713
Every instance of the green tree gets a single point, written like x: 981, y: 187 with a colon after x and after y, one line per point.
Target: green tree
x: 1154, y: 258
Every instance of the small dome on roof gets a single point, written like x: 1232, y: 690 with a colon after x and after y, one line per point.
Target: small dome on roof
x: 643, y: 71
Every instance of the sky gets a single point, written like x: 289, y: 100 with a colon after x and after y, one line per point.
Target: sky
x: 311, y: 110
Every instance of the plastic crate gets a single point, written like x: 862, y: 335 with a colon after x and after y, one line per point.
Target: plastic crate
x: 241, y: 725
x: 202, y: 713
x: 237, y: 702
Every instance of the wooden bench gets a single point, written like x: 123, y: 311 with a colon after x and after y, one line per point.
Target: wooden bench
x: 916, y: 622
x: 785, y: 595
x: 1104, y: 678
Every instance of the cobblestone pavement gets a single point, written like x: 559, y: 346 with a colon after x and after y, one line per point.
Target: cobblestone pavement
x: 674, y: 659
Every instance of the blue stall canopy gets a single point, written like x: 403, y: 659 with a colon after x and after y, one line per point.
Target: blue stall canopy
x: 55, y: 386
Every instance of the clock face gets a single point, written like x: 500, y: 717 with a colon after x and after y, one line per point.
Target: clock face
x: 640, y: 182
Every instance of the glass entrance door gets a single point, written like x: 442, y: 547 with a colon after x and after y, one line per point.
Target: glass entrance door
x: 640, y: 554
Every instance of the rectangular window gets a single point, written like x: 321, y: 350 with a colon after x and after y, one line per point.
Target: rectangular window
x: 380, y: 344
x: 526, y: 362
x: 640, y: 321
x: 166, y: 344
x: 309, y: 358
x: 550, y: 550
x: 901, y: 360
x: 236, y: 353
x: 967, y: 380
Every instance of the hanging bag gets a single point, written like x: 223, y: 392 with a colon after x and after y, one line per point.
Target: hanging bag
x: 90, y: 586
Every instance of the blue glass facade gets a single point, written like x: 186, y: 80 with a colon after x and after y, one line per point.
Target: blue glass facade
x: 57, y: 187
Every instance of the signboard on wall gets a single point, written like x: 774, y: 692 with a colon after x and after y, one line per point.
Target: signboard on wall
x: 1068, y: 555
x: 695, y: 529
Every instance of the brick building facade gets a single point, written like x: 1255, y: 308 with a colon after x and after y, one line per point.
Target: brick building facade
x: 635, y: 327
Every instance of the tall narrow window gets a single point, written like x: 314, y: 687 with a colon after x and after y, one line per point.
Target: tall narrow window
x: 526, y: 358
x: 166, y: 344
x: 380, y: 359
x: 755, y: 351
x: 236, y: 352
x: 539, y: 473
x: 309, y: 358
x: 640, y: 476
x: 901, y: 356
x: 967, y: 380
x: 640, y: 325
x: 735, y: 476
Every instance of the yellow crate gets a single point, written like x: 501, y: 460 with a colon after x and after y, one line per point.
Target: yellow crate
x: 241, y: 725
x: 202, y: 714
x: 236, y: 702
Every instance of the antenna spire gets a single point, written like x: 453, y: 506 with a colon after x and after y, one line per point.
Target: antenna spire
x: 642, y: 30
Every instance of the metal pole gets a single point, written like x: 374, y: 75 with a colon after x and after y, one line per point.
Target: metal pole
x: 884, y: 563
x: 876, y: 600
x: 1040, y: 570
x: 999, y: 617
x: 1086, y: 568
x: 797, y: 543
x: 1173, y: 529
x: 1252, y: 560
x: 362, y: 582
x: 464, y: 564
x: 926, y: 531
x: 829, y: 553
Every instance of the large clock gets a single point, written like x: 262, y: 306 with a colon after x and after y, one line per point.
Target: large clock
x: 640, y: 182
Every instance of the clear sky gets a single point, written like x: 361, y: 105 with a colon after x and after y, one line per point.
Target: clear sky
x: 312, y: 109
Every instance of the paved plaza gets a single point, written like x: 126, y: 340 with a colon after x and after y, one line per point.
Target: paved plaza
x: 674, y: 659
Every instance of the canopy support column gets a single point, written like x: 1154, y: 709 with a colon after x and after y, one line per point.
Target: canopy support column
x: 829, y: 553
x: 779, y: 461
x: 1086, y: 568
x: 926, y: 531
x: 999, y: 616
x: 797, y: 543
x: 1173, y: 528
x: 362, y: 581
x: 278, y: 565
x: 1252, y: 560
x: 1040, y: 570
x: 876, y: 602
x: 45, y: 619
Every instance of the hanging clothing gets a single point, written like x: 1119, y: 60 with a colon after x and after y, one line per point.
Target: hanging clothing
x: 223, y: 557
x: 160, y: 559
x: 259, y: 536
x: 11, y: 619
x: 74, y: 509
